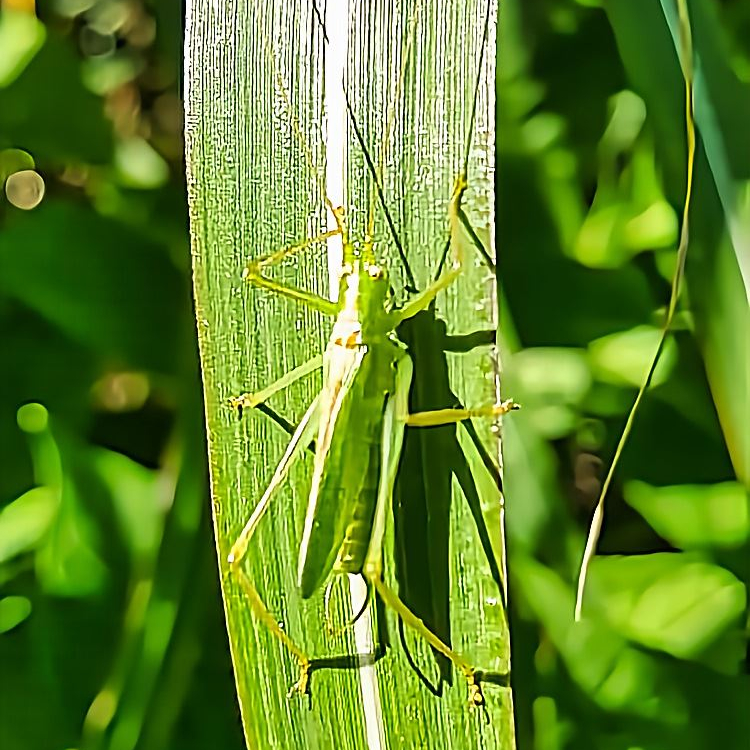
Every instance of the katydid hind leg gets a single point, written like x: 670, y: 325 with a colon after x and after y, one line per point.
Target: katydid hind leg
x: 391, y: 599
x: 299, y: 441
x: 393, y: 429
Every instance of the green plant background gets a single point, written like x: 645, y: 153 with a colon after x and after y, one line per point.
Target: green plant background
x: 111, y: 628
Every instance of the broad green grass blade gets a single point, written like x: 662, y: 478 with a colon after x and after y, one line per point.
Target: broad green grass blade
x: 716, y: 267
x: 685, y: 52
x: 252, y: 189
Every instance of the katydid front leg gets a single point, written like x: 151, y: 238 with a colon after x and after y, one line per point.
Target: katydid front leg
x: 253, y: 272
x: 425, y: 298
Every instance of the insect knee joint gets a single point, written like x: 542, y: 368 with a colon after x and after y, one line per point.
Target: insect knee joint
x: 460, y: 186
x: 233, y: 560
x: 252, y: 271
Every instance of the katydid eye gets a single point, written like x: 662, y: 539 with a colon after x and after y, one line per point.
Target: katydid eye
x: 346, y: 270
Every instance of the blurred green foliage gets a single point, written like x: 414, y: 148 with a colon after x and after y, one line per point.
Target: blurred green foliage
x: 111, y: 631
x: 591, y: 184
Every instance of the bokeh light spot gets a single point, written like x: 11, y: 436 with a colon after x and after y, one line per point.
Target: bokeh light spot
x: 122, y: 391
x: 25, y: 189
x: 32, y: 418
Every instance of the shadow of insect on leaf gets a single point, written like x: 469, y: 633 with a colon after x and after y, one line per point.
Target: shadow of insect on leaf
x: 430, y: 459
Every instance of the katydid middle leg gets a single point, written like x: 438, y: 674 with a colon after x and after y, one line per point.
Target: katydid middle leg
x: 251, y: 400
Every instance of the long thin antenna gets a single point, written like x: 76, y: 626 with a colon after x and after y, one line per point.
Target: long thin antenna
x: 412, y: 286
x: 470, y: 137
x: 473, y: 117
x: 376, y: 172
x: 390, y: 111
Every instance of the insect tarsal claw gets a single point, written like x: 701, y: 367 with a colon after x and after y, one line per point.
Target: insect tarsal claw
x: 245, y: 401
x: 460, y: 185
x: 506, y: 406
x: 476, y: 696
x: 302, y: 686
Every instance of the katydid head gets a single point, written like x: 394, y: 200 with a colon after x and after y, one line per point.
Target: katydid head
x: 364, y: 286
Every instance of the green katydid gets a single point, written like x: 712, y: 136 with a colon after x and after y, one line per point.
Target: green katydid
x: 430, y: 459
x: 358, y: 422
x: 422, y: 494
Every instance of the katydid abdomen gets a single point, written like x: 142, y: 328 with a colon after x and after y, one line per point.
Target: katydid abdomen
x: 343, y: 495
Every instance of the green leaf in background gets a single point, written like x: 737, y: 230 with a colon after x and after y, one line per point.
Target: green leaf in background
x: 716, y: 272
x: 13, y: 611
x: 694, y: 516
x: 554, y: 383
x: 14, y: 160
x: 624, y: 358
x: 112, y: 633
x: 101, y: 271
x: 25, y: 521
x: 602, y: 188
x: 629, y: 213
x: 21, y: 36
x: 617, y: 676
x: 670, y: 601
x: 136, y: 500
x: 50, y: 90
x: 68, y: 563
x: 138, y: 165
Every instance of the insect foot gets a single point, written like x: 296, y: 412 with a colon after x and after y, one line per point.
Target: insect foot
x: 504, y: 407
x: 459, y: 187
x: 476, y: 696
x: 245, y: 401
x: 302, y: 686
